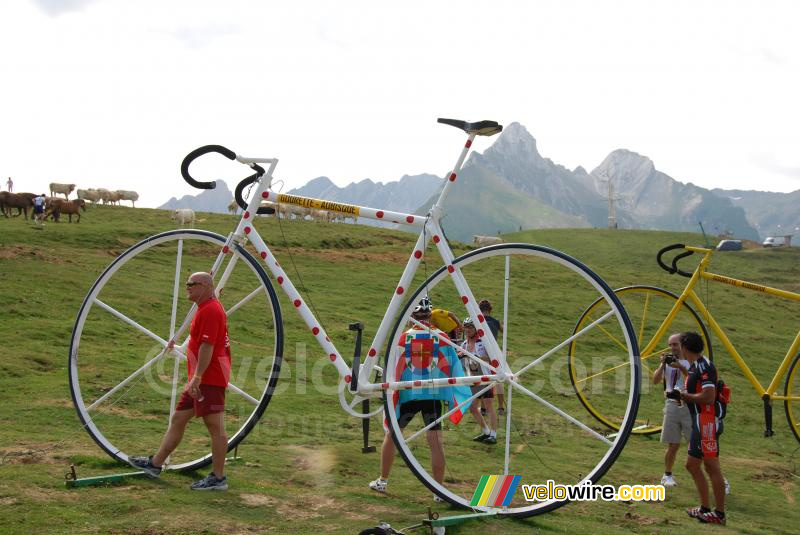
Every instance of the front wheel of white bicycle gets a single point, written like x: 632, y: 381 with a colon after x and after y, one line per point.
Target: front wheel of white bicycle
x: 125, y: 386
x: 544, y: 432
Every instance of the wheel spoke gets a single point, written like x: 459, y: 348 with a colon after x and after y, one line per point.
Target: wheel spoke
x: 125, y: 381
x: 244, y: 301
x: 560, y: 412
x: 131, y: 322
x: 566, y: 342
x: 242, y: 393
x: 470, y: 399
x: 176, y: 286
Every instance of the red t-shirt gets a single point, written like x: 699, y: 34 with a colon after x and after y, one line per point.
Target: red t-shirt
x: 210, y: 325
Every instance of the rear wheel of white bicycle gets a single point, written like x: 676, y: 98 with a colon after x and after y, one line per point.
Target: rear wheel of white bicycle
x: 125, y: 389
x: 545, y: 433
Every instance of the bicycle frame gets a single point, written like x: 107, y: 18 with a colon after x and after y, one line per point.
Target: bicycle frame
x: 430, y: 229
x: 689, y: 294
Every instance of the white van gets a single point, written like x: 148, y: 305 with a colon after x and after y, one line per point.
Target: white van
x: 774, y: 241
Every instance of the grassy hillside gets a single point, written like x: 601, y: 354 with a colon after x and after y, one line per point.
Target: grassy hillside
x: 302, y: 469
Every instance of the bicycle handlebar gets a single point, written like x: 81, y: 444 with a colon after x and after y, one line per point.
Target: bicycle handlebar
x: 196, y: 153
x: 674, y: 268
x: 229, y: 154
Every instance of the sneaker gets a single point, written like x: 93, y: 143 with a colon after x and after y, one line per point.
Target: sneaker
x: 480, y: 438
x: 727, y: 487
x: 379, y: 485
x: 669, y: 481
x: 211, y: 482
x: 490, y: 440
x: 697, y: 512
x: 145, y: 464
x: 501, y: 411
x: 712, y: 517
x: 437, y: 498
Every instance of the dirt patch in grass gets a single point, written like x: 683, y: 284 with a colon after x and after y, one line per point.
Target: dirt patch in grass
x: 258, y: 500
x: 316, y: 463
x: 20, y: 251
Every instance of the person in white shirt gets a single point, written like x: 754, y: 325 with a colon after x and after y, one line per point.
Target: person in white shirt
x: 677, y: 420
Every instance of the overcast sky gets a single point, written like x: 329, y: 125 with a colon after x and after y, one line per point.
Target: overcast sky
x: 113, y: 93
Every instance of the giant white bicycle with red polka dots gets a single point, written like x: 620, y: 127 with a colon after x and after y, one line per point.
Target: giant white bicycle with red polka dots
x: 121, y: 373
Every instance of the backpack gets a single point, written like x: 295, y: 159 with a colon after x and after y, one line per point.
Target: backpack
x: 722, y: 400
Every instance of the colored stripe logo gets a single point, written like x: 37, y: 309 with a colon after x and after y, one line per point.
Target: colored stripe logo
x: 495, y: 491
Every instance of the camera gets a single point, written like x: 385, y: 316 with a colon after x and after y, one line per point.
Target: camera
x: 669, y: 359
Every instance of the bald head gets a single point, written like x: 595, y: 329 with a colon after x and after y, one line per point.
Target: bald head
x: 674, y: 343
x: 200, y: 287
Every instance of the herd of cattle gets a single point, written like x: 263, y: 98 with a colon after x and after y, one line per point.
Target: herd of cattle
x: 56, y: 206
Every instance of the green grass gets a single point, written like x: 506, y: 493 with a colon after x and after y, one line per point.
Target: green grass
x: 303, y: 471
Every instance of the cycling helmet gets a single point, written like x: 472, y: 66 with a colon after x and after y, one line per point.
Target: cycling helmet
x: 468, y: 321
x: 424, y: 307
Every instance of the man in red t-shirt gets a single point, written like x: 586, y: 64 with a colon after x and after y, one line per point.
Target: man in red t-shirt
x: 209, y: 366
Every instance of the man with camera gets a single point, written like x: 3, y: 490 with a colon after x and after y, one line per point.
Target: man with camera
x: 677, y: 420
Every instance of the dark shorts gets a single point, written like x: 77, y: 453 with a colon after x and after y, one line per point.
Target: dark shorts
x: 704, y: 441
x: 431, y: 409
x: 489, y: 394
x: 213, y: 400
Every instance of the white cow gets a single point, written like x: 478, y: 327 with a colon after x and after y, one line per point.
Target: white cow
x: 66, y: 189
x: 183, y: 216
x: 89, y: 195
x: 125, y: 195
x: 483, y: 241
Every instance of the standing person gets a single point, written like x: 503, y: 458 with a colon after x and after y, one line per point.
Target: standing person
x: 38, y: 209
x: 474, y: 345
x: 445, y: 321
x: 422, y: 357
x: 10, y: 184
x: 486, y: 309
x: 700, y: 395
x: 677, y: 420
x: 209, y: 365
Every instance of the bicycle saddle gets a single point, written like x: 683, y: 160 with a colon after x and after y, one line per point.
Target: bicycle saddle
x: 481, y: 128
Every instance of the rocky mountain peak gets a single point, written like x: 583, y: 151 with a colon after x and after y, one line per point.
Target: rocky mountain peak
x: 626, y: 166
x: 515, y: 142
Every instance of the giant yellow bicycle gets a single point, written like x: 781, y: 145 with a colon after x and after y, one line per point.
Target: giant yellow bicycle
x: 655, y: 314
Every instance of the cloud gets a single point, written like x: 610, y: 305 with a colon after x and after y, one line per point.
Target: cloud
x: 199, y: 36
x: 769, y: 163
x: 55, y: 8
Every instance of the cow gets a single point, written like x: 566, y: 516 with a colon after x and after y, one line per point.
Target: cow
x: 483, y: 241
x: 126, y: 195
x: 89, y: 195
x: 233, y: 207
x: 66, y: 189
x: 183, y: 215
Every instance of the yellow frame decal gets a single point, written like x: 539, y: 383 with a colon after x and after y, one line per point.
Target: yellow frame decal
x: 318, y: 204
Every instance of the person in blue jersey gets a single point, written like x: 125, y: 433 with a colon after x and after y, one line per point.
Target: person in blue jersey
x: 423, y: 353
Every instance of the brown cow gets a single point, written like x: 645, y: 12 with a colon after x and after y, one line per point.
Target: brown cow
x: 20, y: 201
x: 61, y: 206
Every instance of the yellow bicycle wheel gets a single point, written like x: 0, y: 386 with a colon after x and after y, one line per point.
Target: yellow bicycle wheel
x: 792, y: 390
x: 595, y: 359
